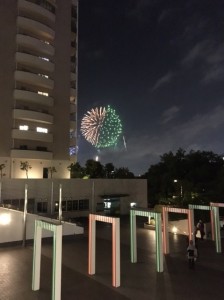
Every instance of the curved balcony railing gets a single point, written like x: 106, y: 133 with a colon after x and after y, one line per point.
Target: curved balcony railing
x: 32, y: 135
x: 34, y: 62
x: 31, y: 97
x: 41, y: 31
x: 36, y: 11
x: 31, y: 154
x: 72, y: 95
x: 34, y: 79
x: 72, y: 108
x: 72, y: 125
x: 73, y: 76
x: 34, y: 116
x: 33, y: 44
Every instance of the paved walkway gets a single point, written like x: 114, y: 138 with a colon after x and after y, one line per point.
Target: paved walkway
x: 138, y: 281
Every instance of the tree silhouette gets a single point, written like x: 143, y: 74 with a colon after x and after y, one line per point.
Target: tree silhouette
x: 52, y: 170
x: 2, y: 166
x: 25, y: 166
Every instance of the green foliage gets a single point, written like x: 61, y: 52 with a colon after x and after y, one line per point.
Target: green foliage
x: 25, y: 166
x: 199, y: 175
x: 94, y: 169
x: 109, y: 170
x: 123, y: 173
x: 76, y: 171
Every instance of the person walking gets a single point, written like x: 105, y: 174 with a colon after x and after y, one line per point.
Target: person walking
x: 191, y: 254
x: 201, y: 227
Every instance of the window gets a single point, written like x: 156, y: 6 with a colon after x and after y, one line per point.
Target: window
x: 44, y: 58
x: 43, y: 94
x: 56, y: 206
x: 69, y: 205
x: 41, y: 129
x: 42, y: 207
x: 63, y: 205
x: 84, y: 204
x: 75, y: 205
x: 42, y: 75
x: 23, y: 127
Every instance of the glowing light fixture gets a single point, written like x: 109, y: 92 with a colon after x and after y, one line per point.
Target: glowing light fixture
x: 174, y: 229
x: 5, y: 219
x: 23, y: 127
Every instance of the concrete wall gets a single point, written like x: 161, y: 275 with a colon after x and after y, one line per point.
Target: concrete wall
x: 13, y: 231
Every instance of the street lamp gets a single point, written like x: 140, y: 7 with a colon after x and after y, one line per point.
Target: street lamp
x: 181, y: 187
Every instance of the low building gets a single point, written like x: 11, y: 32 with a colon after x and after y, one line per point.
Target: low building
x: 78, y: 197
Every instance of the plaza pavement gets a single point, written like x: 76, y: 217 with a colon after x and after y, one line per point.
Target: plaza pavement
x: 138, y: 281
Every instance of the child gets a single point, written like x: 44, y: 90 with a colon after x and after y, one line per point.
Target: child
x: 191, y: 254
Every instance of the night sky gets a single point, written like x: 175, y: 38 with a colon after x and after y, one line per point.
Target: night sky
x: 160, y: 64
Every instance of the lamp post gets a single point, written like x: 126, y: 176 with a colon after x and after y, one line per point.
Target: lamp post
x: 181, y: 187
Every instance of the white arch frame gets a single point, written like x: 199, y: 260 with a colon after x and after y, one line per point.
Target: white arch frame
x: 158, y: 230
x: 57, y: 257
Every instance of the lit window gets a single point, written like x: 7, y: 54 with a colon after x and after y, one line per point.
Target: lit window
x: 41, y: 129
x: 42, y: 75
x: 42, y: 93
x: 44, y: 58
x: 23, y: 127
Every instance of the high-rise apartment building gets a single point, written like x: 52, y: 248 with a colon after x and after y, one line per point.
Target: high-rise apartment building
x: 38, y: 87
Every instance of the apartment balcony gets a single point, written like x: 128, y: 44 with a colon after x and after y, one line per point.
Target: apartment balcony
x: 35, y: 28
x: 33, y: 44
x: 36, y: 11
x: 31, y: 154
x: 34, y: 79
x: 73, y: 51
x: 72, y: 95
x: 73, y: 36
x: 35, y: 62
x: 73, y: 77
x: 32, y: 136
x: 31, y: 97
x: 33, y: 116
x: 72, y: 125
x: 72, y: 142
x: 72, y: 108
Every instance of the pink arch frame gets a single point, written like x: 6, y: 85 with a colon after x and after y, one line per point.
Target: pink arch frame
x: 190, y: 214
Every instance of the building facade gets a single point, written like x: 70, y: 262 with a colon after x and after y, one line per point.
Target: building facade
x: 79, y: 197
x: 38, y: 87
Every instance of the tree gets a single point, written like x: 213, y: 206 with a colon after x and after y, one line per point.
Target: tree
x: 199, y: 178
x: 2, y: 166
x: 25, y: 166
x: 76, y: 171
x: 123, y: 173
x: 109, y: 170
x: 52, y: 170
x: 94, y: 169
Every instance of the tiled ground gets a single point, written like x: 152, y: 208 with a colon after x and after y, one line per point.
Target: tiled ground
x: 138, y: 281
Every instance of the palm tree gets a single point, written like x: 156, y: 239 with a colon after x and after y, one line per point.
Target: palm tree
x: 2, y: 166
x: 52, y: 170
x: 25, y: 166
